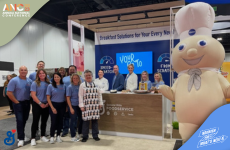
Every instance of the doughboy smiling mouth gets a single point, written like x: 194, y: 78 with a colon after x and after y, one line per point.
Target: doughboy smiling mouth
x: 193, y: 61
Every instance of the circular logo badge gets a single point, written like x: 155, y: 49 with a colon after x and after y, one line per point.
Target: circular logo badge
x: 192, y: 32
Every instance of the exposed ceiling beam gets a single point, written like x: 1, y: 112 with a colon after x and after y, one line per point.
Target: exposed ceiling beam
x: 108, y: 19
x: 129, y: 10
x: 90, y: 21
x: 160, y: 13
x: 88, y: 5
x: 58, y: 2
x: 134, y: 16
x: 132, y: 22
x: 75, y: 8
x: 133, y: 27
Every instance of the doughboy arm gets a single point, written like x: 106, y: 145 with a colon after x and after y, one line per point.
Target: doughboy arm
x: 224, y: 85
x: 168, y: 92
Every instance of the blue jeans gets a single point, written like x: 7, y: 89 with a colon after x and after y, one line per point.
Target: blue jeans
x: 22, y: 110
x: 66, y: 123
x: 73, y: 121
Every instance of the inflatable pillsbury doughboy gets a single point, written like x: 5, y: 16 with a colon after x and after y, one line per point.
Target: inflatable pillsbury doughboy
x: 200, y: 88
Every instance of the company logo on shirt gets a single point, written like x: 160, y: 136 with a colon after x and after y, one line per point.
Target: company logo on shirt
x: 16, y: 10
x: 10, y: 139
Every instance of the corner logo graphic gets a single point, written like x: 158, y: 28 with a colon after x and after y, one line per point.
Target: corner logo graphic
x: 107, y: 60
x: 16, y: 10
x: 165, y: 56
x: 10, y: 140
x: 209, y: 137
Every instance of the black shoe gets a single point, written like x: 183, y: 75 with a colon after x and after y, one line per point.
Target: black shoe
x: 97, y: 139
x: 64, y: 134
x: 84, y: 139
x: 11, y: 113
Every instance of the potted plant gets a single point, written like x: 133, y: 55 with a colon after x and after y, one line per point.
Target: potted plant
x: 176, y: 133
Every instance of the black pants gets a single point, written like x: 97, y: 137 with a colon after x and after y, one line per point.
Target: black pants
x: 85, y: 129
x: 10, y: 103
x: 57, y: 119
x: 22, y: 110
x: 37, y: 113
x: 79, y: 120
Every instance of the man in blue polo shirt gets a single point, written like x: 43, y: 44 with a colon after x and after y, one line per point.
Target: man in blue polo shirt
x: 66, y: 81
x: 40, y: 65
x: 18, y: 90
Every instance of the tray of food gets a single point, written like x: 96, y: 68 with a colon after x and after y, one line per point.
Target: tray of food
x: 141, y: 91
x: 113, y: 91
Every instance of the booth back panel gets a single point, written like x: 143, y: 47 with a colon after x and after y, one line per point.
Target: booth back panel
x: 106, y: 58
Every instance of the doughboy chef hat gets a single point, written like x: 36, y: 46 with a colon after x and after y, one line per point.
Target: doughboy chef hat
x: 195, y: 19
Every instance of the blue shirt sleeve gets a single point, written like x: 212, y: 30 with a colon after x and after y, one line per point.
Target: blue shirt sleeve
x: 149, y: 85
x: 49, y: 89
x: 33, y: 87
x: 68, y: 91
x: 30, y: 76
x: 161, y: 83
x: 11, y: 85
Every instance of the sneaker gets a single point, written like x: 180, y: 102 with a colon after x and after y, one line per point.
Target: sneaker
x: 96, y: 139
x: 44, y: 139
x: 58, y: 139
x: 74, y: 139
x: 52, y: 140
x: 26, y: 139
x: 84, y: 140
x: 20, y: 143
x: 33, y: 142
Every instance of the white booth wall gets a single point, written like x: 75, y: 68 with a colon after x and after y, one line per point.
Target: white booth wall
x: 38, y: 41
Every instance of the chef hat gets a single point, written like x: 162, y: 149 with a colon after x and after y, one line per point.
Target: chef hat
x: 195, y: 19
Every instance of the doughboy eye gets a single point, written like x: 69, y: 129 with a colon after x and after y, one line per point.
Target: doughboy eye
x: 202, y: 43
x: 181, y: 47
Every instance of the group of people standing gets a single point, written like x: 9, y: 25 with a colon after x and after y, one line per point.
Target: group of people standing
x: 130, y: 83
x: 55, y: 97
x: 70, y: 101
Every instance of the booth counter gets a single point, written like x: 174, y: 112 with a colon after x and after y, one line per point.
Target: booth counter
x: 135, y: 115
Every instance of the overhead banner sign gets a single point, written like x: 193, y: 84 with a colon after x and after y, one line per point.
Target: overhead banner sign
x: 148, y: 49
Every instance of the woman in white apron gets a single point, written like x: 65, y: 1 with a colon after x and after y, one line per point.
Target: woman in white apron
x: 90, y: 102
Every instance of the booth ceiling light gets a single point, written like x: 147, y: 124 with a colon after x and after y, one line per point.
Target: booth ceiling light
x: 219, y: 39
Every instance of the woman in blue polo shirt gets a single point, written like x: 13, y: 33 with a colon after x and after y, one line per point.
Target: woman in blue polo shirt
x: 40, y: 105
x: 73, y: 101
x: 56, y: 99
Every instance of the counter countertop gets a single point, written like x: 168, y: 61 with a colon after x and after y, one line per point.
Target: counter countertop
x: 119, y: 92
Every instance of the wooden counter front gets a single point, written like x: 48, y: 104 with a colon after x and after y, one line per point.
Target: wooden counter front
x: 132, y: 113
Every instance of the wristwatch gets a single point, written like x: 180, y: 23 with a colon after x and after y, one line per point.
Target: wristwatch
x: 40, y: 103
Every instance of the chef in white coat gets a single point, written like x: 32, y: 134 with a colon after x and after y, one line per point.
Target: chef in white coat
x: 102, y: 82
x: 131, y: 79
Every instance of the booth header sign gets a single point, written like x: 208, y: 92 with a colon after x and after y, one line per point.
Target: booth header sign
x: 132, y: 36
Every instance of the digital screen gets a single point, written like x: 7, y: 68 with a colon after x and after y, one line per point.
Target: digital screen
x: 142, y: 61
